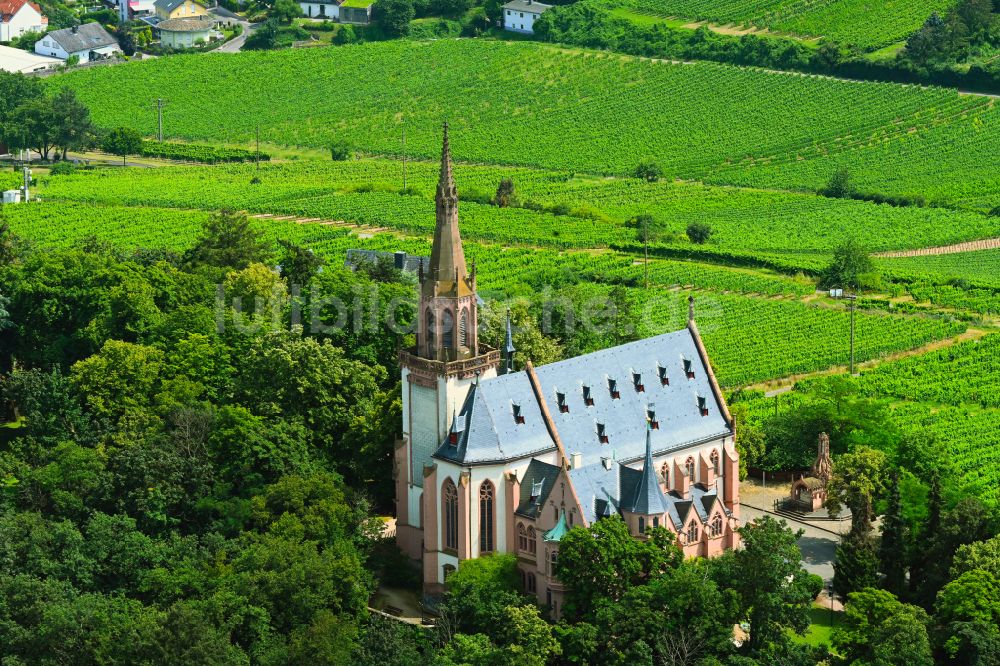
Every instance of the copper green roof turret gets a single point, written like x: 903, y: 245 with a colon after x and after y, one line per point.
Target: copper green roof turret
x: 559, y: 531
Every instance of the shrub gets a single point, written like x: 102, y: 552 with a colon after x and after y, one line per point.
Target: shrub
x: 839, y: 185
x: 649, y: 171
x: 62, y: 168
x: 699, y: 232
x: 505, y: 194
x: 340, y: 151
x: 346, y: 35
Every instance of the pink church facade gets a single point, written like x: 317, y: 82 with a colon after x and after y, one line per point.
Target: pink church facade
x: 493, y: 460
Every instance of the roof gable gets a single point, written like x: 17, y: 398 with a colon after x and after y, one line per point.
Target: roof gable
x: 9, y: 8
x: 87, y: 36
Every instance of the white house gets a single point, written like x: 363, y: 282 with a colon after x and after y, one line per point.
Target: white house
x: 185, y: 33
x: 328, y: 9
x: 520, y: 15
x: 89, y: 41
x: 18, y: 17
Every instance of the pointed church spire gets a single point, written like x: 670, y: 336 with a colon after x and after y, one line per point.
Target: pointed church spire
x: 508, y: 349
x: 447, y: 255
x: 649, y: 498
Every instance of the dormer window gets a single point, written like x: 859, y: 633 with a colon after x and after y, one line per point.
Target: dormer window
x: 561, y: 401
x: 703, y: 405
x: 688, y: 367
x: 662, y: 372
x: 588, y: 398
x: 518, y: 416
x: 613, y: 388
x: 651, y: 416
x: 602, y: 433
x: 637, y: 382
x: 536, y: 490
x: 455, y: 431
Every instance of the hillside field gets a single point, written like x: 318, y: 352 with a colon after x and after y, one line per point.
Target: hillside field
x: 863, y: 23
x: 593, y: 113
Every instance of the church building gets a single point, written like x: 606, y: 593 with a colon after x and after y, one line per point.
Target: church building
x: 497, y: 460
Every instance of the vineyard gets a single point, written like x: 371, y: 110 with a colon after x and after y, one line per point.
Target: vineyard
x: 857, y: 22
x: 980, y: 268
x: 190, y: 152
x: 566, y: 211
x: 967, y: 373
x: 721, y: 124
x: 750, y: 338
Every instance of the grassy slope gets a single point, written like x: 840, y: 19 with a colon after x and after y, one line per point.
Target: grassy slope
x: 525, y: 103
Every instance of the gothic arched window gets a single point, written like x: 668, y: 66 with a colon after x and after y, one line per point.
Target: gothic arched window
x: 714, y: 458
x: 716, y: 528
x: 656, y: 521
x: 552, y: 562
x: 463, y: 328
x: 449, y: 514
x: 532, y: 541
x: 522, y: 537
x: 642, y: 525
x: 447, y: 329
x: 689, y: 468
x: 486, y: 517
x: 692, y: 532
x: 431, y: 333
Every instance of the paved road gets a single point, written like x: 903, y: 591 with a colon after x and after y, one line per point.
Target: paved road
x: 818, y: 545
x: 235, y: 44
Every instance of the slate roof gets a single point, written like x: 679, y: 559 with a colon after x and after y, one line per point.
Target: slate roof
x: 491, y: 434
x: 525, y: 6
x: 203, y: 24
x: 541, y: 476
x: 408, y: 263
x: 646, y: 496
x: 605, y: 491
x: 87, y: 36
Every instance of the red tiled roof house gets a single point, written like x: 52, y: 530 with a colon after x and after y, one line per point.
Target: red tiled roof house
x: 18, y: 17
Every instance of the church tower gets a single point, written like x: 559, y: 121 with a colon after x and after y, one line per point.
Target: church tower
x: 441, y: 368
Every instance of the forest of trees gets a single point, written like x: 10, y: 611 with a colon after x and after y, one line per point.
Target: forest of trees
x: 186, y: 479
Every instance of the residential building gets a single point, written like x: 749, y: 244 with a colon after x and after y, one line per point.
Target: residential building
x: 520, y: 15
x: 178, y: 9
x: 497, y: 460
x: 89, y: 41
x: 18, y: 17
x: 357, y: 12
x: 186, y: 32
x: 328, y: 9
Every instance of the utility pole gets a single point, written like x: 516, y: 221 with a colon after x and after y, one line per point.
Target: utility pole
x: 645, y: 246
x: 27, y: 182
x: 404, y: 157
x: 851, y: 298
x: 160, y: 103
